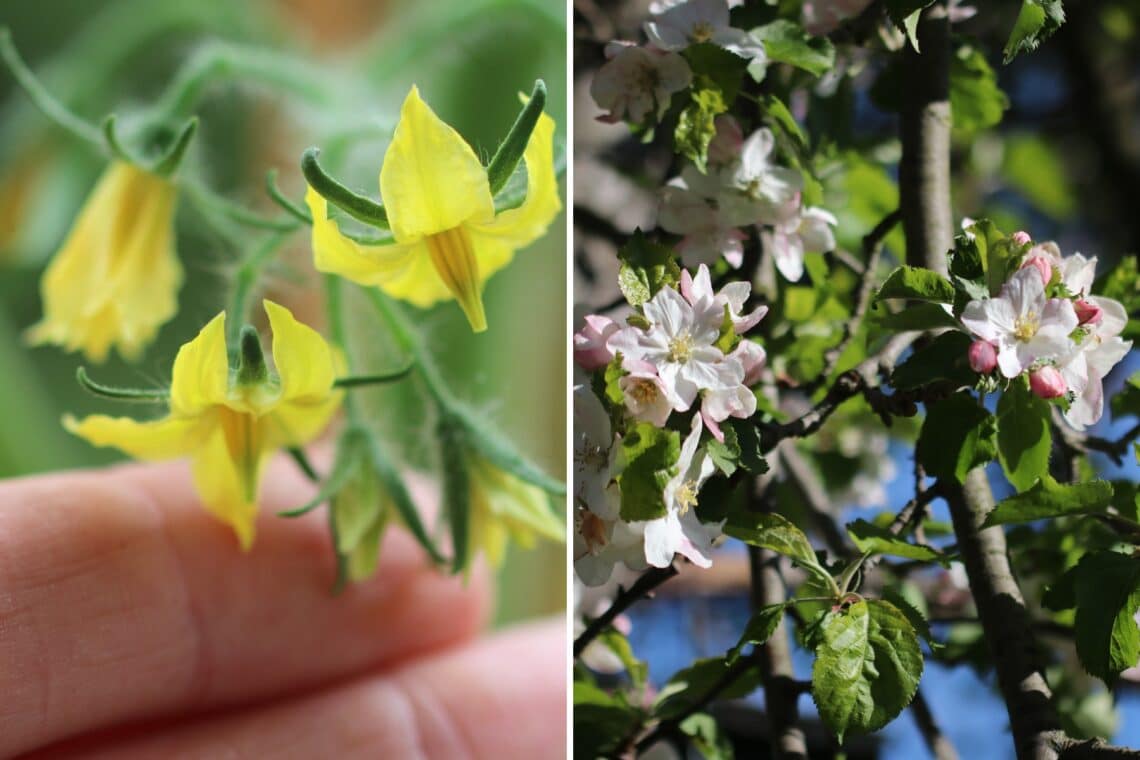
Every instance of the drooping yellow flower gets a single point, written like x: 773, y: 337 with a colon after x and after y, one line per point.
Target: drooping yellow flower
x: 230, y: 422
x: 115, y: 280
x: 448, y: 238
x: 503, y: 506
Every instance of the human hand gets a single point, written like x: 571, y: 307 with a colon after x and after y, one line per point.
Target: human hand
x: 131, y: 626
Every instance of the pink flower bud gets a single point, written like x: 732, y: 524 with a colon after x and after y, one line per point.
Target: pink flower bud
x: 1020, y: 238
x: 590, y: 349
x: 1088, y: 313
x: 983, y: 357
x: 1042, y: 265
x: 1046, y: 382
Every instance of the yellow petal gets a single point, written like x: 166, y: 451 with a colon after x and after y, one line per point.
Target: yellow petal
x: 503, y: 505
x: 295, y: 423
x: 167, y: 438
x: 521, y: 226
x: 453, y: 256
x: 431, y: 180
x: 419, y: 284
x: 222, y: 484
x: 201, y: 371
x: 337, y: 254
x: 303, y: 359
x: 114, y: 281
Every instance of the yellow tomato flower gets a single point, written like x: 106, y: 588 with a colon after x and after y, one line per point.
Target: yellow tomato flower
x: 116, y: 278
x: 503, y: 506
x: 448, y: 238
x: 227, y: 424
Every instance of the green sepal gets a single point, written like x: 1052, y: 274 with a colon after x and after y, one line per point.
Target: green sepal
x: 401, y: 499
x: 456, y: 488
x: 136, y: 395
x: 356, y: 206
x: 353, y: 381
x: 511, y: 149
x: 251, y: 367
x: 172, y: 159
x: 501, y: 453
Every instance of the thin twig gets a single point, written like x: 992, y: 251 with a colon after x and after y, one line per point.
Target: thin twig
x: 641, y: 588
x: 872, y: 251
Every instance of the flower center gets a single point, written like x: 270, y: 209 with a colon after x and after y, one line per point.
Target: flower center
x: 1026, y: 327
x: 686, y: 496
x: 593, y: 531
x: 642, y: 391
x: 454, y: 258
x: 702, y: 32
x: 593, y: 457
x: 681, y: 348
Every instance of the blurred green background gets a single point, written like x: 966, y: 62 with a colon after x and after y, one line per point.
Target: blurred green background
x: 469, y: 60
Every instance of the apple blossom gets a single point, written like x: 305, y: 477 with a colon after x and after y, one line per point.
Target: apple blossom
x: 707, y: 234
x: 680, y: 531
x: 1042, y: 265
x: 644, y: 395
x: 698, y: 21
x: 1020, y: 238
x: 594, y: 453
x: 983, y: 357
x: 590, y: 350
x: 1085, y: 368
x: 1046, y: 382
x: 637, y: 82
x: 824, y: 16
x: 680, y: 343
x: 1024, y: 326
x: 600, y: 544
x: 1088, y: 312
x: 764, y: 187
x: 796, y: 232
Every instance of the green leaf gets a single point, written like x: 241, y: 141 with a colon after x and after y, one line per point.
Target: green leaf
x: 726, y: 456
x: 920, y: 316
x: 916, y: 283
x: 771, y: 531
x: 1036, y: 22
x: 957, y: 436
x: 1123, y: 284
x: 871, y: 539
x: 617, y: 643
x: 913, y: 614
x: 646, y: 461
x: 601, y: 720
x: 905, y: 15
x: 1127, y: 401
x: 759, y: 629
x: 696, y: 127
x: 692, y: 685
x: 944, y: 359
x: 1034, y: 168
x: 1108, y: 596
x: 741, y: 448
x: 867, y: 667
x: 713, y: 63
x: 646, y: 267
x: 777, y: 115
x: 976, y: 101
x: 706, y: 737
x: 1052, y: 499
x: 787, y: 42
x: 1023, y: 438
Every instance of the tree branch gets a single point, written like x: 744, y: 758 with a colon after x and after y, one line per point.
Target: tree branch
x: 781, y: 689
x: 936, y: 741
x: 641, y: 588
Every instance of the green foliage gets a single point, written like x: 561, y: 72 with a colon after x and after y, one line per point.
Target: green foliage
x: 720, y: 69
x: 922, y: 316
x: 1023, y: 438
x: 688, y: 687
x: 787, y: 42
x: 741, y: 448
x: 976, y: 101
x: 646, y: 461
x: 1048, y: 498
x: 957, y: 436
x: 601, y: 720
x: 1127, y: 401
x: 868, y: 664
x: 905, y: 15
x: 646, y: 267
x: 771, y: 531
x: 918, y: 284
x: 1107, y: 593
x: 696, y: 127
x: 612, y: 639
x: 1036, y: 22
x: 1033, y: 168
x: 943, y: 359
x: 872, y: 539
x: 760, y: 628
x: 705, y: 735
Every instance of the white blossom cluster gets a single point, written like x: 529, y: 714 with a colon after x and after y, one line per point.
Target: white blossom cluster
x: 671, y: 363
x: 1066, y: 343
